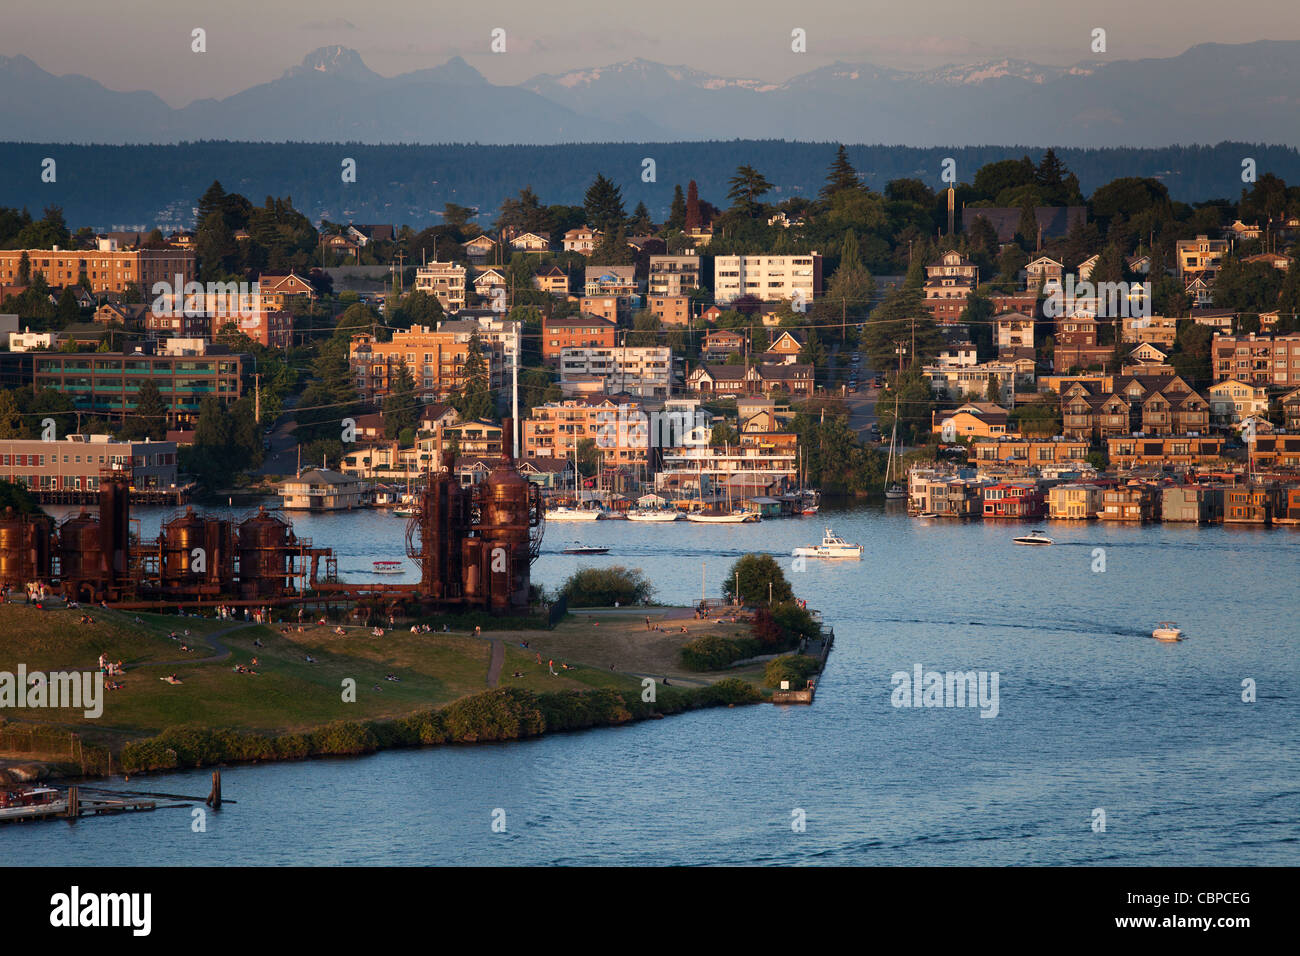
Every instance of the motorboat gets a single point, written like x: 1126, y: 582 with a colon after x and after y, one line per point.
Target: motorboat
x: 653, y: 514
x: 1034, y: 537
x: 832, y: 546
x: 586, y: 550
x: 1168, y: 632
x: 389, y: 567
x: 895, y: 492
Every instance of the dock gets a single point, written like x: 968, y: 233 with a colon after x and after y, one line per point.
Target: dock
x: 804, y: 696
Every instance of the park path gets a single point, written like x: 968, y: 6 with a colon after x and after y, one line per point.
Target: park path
x: 213, y: 641
x: 496, y: 663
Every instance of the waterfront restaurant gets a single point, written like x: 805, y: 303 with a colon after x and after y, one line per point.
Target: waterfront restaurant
x: 320, y: 489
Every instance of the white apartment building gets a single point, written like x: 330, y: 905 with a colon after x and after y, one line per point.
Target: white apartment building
x: 972, y: 381
x: 445, y: 281
x: 768, y: 278
x: 674, y: 275
x: 502, y: 333
x: 642, y: 370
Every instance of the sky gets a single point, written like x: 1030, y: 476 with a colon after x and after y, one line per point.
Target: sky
x: 146, y: 44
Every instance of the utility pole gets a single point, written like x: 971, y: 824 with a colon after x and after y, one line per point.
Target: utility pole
x: 514, y: 397
x: 401, y: 263
x: 257, y: 399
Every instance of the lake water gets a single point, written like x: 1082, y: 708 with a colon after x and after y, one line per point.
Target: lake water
x: 1092, y: 715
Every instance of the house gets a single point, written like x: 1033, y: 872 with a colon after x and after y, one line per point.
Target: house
x: 1199, y: 290
x: 552, y: 280
x: 1096, y: 408
x: 1077, y: 344
x: 971, y: 420
x: 322, y: 489
x: 1014, y: 499
x: 1041, y: 270
x: 531, y: 242
x: 478, y: 437
x: 480, y: 247
x: 785, y: 348
x: 1274, y: 259
x: 487, y: 280
x: 610, y: 280
x: 445, y: 281
x: 1221, y: 320
x: 1138, y: 265
x: 1242, y: 231
x: 1232, y: 401
x: 948, y: 283
x: 1252, y: 504
x: 1138, y: 503
x: 364, y: 234
x: 720, y: 343
x: 1199, y: 256
x: 1158, y: 329
x: 1194, y: 504
x: 582, y: 240
x: 1290, y: 403
x: 1013, y: 330
x: 1074, y: 502
x: 1085, y: 269
x: 736, y: 380
x: 958, y: 354
x: 131, y: 317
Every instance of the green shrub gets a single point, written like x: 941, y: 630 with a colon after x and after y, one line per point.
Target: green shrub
x: 728, y: 691
x: 604, y: 587
x: 796, y: 668
x: 795, y: 622
x: 147, y: 755
x: 344, y: 737
x: 505, y: 714
x: 713, y: 652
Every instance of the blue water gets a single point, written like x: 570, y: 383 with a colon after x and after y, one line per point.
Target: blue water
x: 1093, y: 714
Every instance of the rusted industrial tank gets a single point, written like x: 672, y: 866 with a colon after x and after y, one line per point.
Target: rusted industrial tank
x: 504, y: 529
x: 115, y: 525
x: 180, y: 537
x: 435, y: 533
x: 219, y: 541
x: 264, y: 555
x: 80, y: 557
x: 24, y: 547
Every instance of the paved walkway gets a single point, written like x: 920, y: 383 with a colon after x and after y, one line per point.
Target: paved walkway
x: 212, y: 640
x: 497, y: 662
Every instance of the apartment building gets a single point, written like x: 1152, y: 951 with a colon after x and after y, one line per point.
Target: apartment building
x: 578, y: 331
x: 106, y: 268
x: 502, y: 334
x: 972, y: 381
x: 553, y: 430
x: 645, y: 371
x: 670, y: 309
x: 1014, y: 330
x: 1257, y: 359
x: 1097, y: 408
x: 767, y: 278
x: 1161, y: 330
x: 1232, y: 401
x: 1026, y: 452
x: 436, y: 361
x: 445, y: 281
x: 673, y: 275
x: 108, y: 383
x: 610, y: 280
x: 1128, y: 452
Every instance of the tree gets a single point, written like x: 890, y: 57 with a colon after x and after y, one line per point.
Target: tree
x: 401, y: 407
x: 149, y: 420
x: 603, y: 204
x: 677, y: 211
x: 605, y: 587
x: 11, y: 419
x: 840, y: 176
x: 748, y: 186
x: 993, y: 391
x: 24, y: 269
x: 477, y: 400
x: 760, y: 579
x: 694, y: 218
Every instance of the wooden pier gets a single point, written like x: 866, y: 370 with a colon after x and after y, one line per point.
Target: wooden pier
x: 82, y: 801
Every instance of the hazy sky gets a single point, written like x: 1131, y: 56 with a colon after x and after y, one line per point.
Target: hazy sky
x: 145, y: 44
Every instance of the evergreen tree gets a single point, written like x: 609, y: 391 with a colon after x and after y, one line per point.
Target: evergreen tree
x: 11, y: 419
x: 748, y: 186
x: 840, y: 176
x: 401, y: 407
x: 693, y: 213
x: 149, y: 420
x: 24, y: 269
x: 677, y: 211
x: 603, y: 204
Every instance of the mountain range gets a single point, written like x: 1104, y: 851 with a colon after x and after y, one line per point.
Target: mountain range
x: 1212, y: 92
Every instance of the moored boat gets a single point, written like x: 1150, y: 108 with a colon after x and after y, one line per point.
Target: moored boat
x: 734, y: 517
x: 565, y: 513
x: 653, y: 514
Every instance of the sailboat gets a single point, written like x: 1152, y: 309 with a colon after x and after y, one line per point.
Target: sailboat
x: 732, y: 515
x: 809, y: 499
x: 564, y: 512
x: 892, y: 488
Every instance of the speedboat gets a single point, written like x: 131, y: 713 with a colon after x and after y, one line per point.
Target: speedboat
x: 1034, y: 537
x: 1167, y: 631
x: 405, y: 512
x: 895, y: 491
x: 389, y: 567
x: 832, y: 546
x: 586, y: 550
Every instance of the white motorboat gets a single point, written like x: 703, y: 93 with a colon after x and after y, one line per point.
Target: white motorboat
x: 1168, y: 632
x: 389, y: 567
x: 565, y: 513
x: 1034, y: 537
x: 832, y: 546
x: 653, y: 514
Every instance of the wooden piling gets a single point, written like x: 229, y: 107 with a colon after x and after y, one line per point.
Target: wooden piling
x: 74, y: 803
x: 214, y: 798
